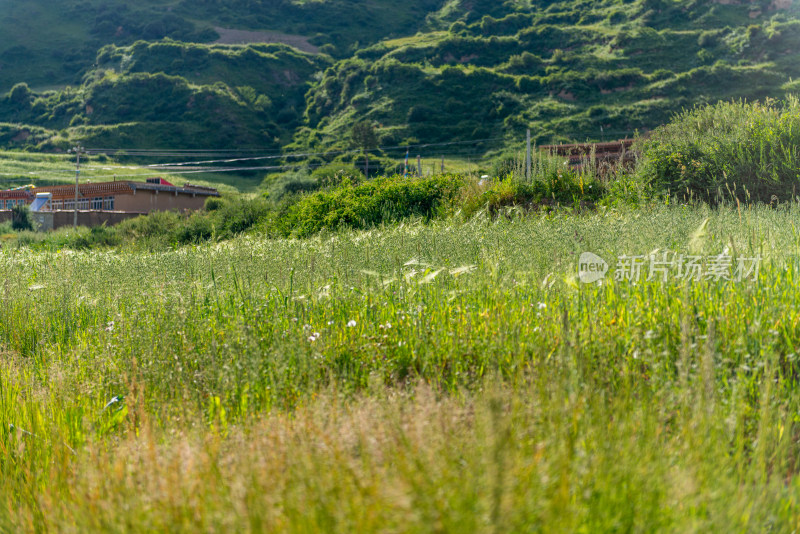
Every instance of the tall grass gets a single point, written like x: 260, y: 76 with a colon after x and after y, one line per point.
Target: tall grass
x: 449, y: 376
x: 732, y: 149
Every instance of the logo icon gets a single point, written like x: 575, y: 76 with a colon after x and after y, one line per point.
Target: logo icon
x: 591, y: 268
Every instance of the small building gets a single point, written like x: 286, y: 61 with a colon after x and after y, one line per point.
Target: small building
x: 15, y: 197
x: 102, y: 203
x: 156, y: 194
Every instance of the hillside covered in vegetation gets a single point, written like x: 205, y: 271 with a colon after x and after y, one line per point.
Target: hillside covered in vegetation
x: 166, y: 74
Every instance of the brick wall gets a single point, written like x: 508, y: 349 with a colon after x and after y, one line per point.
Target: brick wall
x: 147, y: 200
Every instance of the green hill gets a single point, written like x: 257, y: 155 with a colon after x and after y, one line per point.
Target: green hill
x: 568, y: 70
x: 152, y: 74
x: 49, y: 43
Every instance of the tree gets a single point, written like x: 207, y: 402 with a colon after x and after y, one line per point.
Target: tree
x: 21, y: 218
x: 363, y: 136
x: 20, y: 95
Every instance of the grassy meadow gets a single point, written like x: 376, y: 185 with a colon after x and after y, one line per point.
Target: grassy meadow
x: 41, y: 169
x: 416, y: 354
x: 319, y: 350
x: 451, y: 376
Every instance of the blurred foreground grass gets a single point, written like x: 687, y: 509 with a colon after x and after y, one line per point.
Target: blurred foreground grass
x: 444, y: 377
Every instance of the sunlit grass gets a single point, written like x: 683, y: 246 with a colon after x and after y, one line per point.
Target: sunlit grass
x: 422, y: 39
x: 23, y: 168
x: 449, y: 376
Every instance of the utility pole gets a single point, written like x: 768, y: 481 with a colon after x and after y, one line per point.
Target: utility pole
x: 442, y: 164
x: 419, y: 166
x: 528, y: 157
x: 77, y: 150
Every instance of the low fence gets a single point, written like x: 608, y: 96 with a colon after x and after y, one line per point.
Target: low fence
x: 50, y: 220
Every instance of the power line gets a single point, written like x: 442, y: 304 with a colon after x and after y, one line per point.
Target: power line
x: 176, y: 153
x: 300, y: 155
x: 175, y: 150
x: 208, y: 171
x: 180, y: 151
x: 458, y: 151
x: 168, y: 166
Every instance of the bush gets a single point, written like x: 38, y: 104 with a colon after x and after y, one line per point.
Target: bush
x: 229, y: 216
x: 334, y: 174
x: 508, y: 166
x: 288, y: 183
x: 198, y: 227
x: 98, y: 236
x: 368, y: 204
x: 20, y: 95
x: 159, y: 228
x: 213, y: 203
x: 21, y: 218
x: 562, y: 186
x: 751, y: 149
x: 238, y: 215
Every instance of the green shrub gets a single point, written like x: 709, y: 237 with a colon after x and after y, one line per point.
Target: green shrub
x: 749, y: 149
x: 229, y: 216
x: 20, y: 95
x: 239, y: 214
x: 368, y: 204
x: 625, y: 189
x: 198, y: 227
x: 213, y: 203
x: 562, y: 187
x: 21, y: 218
x: 334, y: 174
x: 157, y: 228
x: 277, y: 186
x: 97, y: 236
x: 508, y: 166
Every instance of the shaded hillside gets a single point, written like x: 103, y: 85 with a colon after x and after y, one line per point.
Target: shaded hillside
x: 128, y: 76
x: 173, y: 94
x: 569, y: 70
x: 48, y: 43
x: 51, y: 43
